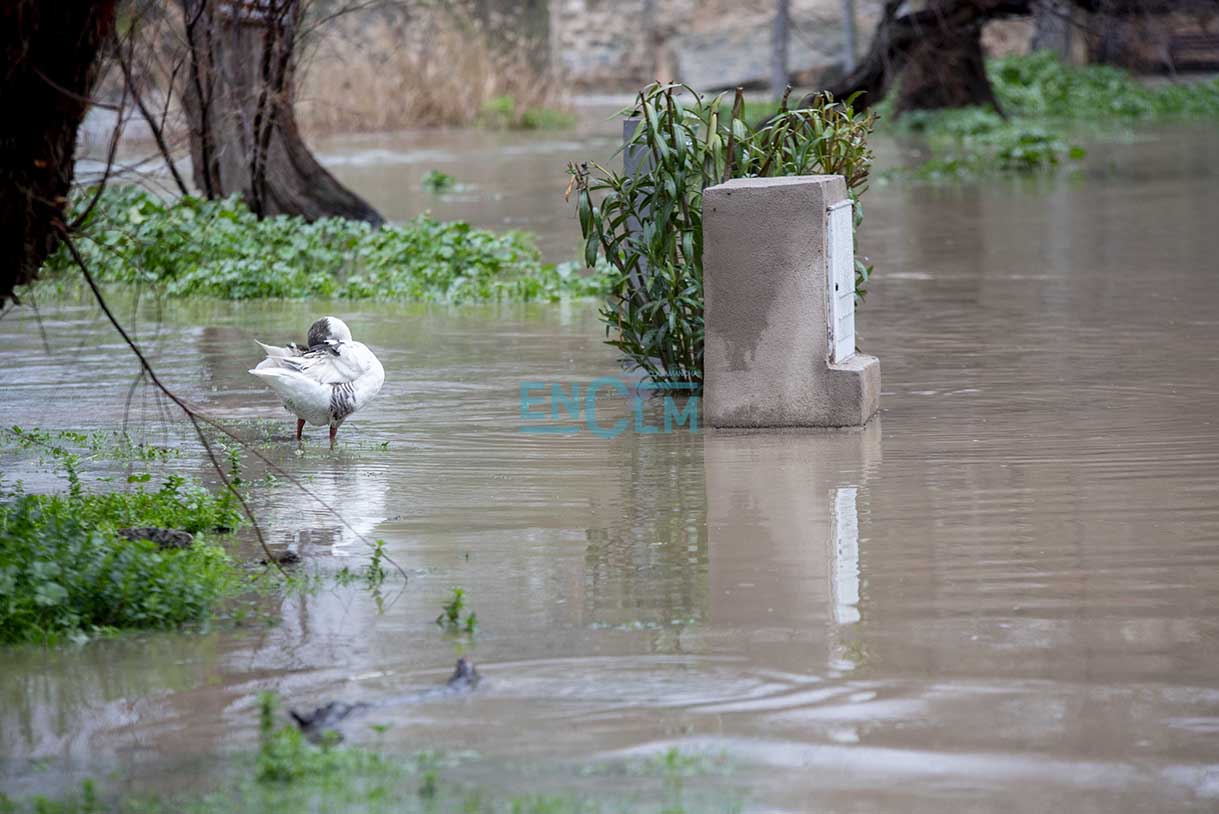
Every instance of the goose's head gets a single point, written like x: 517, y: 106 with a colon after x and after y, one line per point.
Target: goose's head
x: 328, y: 328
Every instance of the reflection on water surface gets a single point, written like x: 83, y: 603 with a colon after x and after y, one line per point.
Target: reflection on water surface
x: 1007, y: 586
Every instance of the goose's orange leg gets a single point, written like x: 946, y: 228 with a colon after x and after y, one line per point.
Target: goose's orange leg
x: 300, y: 426
x: 334, y: 428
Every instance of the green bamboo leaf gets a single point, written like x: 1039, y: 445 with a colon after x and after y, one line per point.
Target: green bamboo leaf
x: 590, y: 251
x: 584, y: 208
x: 650, y: 225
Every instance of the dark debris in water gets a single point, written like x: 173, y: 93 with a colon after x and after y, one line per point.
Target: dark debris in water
x: 322, y: 724
x: 282, y: 558
x: 165, y: 539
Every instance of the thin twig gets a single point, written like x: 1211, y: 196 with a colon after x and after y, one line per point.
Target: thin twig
x: 204, y: 97
x: 88, y: 100
x: 119, y: 123
x: 66, y: 237
x: 42, y: 329
x: 158, y: 133
x: 198, y: 418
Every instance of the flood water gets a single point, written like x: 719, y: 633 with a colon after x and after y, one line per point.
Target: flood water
x: 1002, y: 595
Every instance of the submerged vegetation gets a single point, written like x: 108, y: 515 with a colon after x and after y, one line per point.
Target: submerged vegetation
x: 290, y: 774
x: 450, y: 615
x: 506, y: 113
x: 648, y: 224
x: 1043, y: 101
x: 973, y: 141
x: 143, y: 553
x: 437, y: 182
x: 66, y: 572
x: 1042, y: 86
x: 371, y: 575
x: 196, y: 247
x: 284, y: 756
x: 96, y: 444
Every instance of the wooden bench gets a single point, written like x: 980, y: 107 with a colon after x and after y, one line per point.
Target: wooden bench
x: 1198, y: 51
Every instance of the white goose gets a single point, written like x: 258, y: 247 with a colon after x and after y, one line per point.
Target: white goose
x: 325, y: 382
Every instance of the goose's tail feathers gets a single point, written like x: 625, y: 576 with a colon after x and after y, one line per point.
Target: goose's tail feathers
x: 275, y: 352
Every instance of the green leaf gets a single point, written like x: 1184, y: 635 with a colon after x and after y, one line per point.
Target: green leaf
x: 591, y: 246
x: 651, y: 230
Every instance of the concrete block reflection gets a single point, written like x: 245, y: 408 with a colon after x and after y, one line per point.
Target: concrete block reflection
x: 783, y: 527
x: 844, y: 556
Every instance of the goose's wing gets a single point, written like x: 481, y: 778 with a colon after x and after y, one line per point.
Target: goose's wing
x: 332, y: 362
x: 276, y: 352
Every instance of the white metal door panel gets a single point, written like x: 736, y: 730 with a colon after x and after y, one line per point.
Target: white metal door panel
x: 840, y: 259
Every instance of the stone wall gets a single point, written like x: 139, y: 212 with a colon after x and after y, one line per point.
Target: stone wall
x: 709, y: 44
x: 618, y: 45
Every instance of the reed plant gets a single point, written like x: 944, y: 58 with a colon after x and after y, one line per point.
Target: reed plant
x: 363, y: 67
x: 438, y: 67
x: 648, y: 223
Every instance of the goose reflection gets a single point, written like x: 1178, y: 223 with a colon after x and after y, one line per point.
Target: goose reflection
x: 351, y: 504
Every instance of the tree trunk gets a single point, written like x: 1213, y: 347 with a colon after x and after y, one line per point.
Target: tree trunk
x: 238, y: 94
x: 779, y: 76
x: 850, y: 47
x: 905, y: 36
x: 945, y: 31
x: 1052, y: 28
x: 945, y: 69
x: 48, y: 64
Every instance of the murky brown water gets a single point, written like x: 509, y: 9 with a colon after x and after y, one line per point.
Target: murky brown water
x: 502, y: 180
x: 1001, y: 596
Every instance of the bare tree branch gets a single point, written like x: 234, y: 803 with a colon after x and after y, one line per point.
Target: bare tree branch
x: 158, y: 132
x: 119, y: 122
x: 198, y: 419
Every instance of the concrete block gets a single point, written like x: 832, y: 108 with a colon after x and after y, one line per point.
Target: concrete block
x: 768, y: 263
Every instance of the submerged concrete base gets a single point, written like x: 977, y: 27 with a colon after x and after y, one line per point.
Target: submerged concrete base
x: 768, y: 330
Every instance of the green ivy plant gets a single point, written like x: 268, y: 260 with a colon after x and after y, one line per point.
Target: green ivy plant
x: 648, y: 224
x: 1042, y: 86
x: 191, y: 247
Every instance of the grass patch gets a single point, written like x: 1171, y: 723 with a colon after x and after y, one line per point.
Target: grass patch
x: 973, y: 141
x: 505, y: 113
x: 1039, y: 85
x: 372, y: 575
x: 450, y: 615
x: 67, y: 574
x: 1044, y: 100
x: 194, y: 247
x: 101, y: 444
